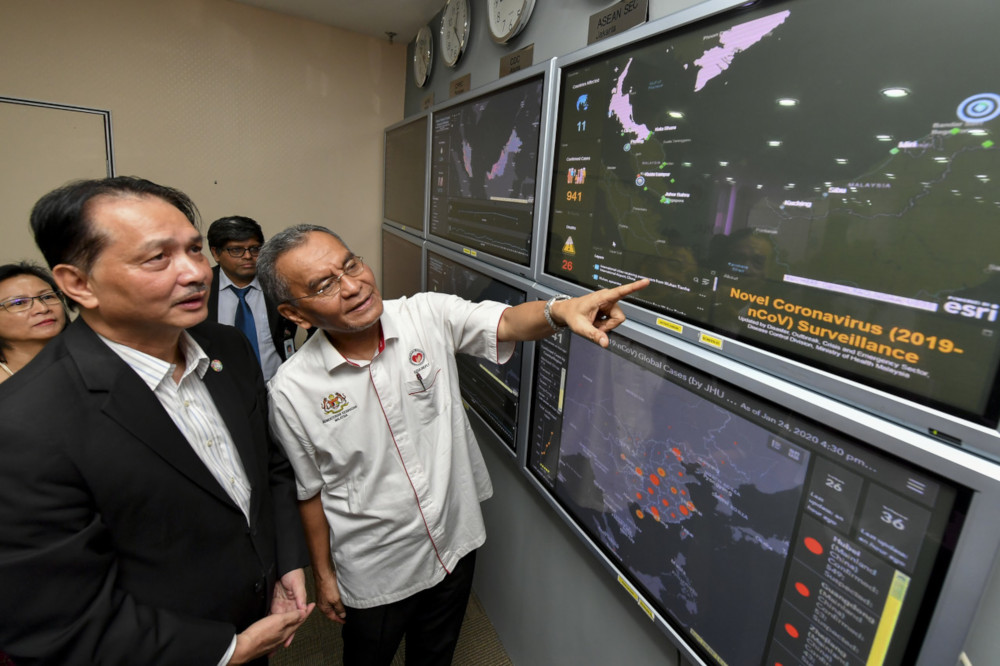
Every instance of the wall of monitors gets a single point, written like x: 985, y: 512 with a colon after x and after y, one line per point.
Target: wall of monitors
x: 492, y: 391
x: 484, y: 165
x: 757, y: 533
x: 816, y: 181
x: 405, y: 172
x: 402, y: 264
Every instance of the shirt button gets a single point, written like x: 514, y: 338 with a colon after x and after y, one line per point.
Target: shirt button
x: 187, y: 403
x: 208, y: 443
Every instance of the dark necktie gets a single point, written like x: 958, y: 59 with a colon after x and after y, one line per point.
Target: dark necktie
x: 244, y: 318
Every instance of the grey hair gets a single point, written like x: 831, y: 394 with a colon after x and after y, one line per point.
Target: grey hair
x: 274, y: 284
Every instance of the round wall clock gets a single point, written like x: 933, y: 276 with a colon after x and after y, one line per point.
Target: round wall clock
x: 454, y: 31
x: 508, y: 17
x: 423, y: 55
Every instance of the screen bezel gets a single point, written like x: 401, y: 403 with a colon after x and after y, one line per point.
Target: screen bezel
x: 973, y: 558
x: 401, y: 125
x: 951, y: 428
x: 544, y: 71
x: 527, y: 348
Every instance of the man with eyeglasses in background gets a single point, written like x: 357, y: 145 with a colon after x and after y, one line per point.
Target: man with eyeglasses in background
x: 388, y: 471
x: 235, y: 297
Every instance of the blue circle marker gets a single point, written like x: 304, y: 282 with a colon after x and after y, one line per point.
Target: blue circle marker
x: 979, y: 108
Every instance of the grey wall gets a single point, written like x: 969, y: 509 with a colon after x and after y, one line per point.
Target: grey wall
x: 550, y: 600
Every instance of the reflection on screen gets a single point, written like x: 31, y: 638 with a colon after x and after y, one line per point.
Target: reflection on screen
x: 837, y: 204
x: 402, y: 266
x: 483, y: 171
x: 405, y: 170
x: 491, y: 390
x: 754, y: 531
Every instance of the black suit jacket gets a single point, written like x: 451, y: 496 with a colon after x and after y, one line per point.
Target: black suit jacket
x: 117, y: 545
x: 281, y: 328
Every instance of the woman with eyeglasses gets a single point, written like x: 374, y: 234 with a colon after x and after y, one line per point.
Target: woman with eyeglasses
x: 32, y: 312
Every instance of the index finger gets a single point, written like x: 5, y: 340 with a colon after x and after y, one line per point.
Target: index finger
x: 624, y: 290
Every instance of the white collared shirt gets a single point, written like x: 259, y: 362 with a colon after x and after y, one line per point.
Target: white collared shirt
x: 192, y: 409
x: 229, y: 301
x: 388, y: 445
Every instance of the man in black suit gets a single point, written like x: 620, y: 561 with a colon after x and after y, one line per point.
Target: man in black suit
x: 235, y: 297
x: 145, y: 515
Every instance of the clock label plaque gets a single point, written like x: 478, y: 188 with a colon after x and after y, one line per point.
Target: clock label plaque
x: 518, y: 60
x: 460, y: 85
x: 616, y: 19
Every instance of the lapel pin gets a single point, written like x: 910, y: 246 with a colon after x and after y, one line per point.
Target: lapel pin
x: 217, y: 365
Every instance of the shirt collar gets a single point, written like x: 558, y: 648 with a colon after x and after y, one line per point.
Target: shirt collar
x: 225, y: 282
x: 153, y: 371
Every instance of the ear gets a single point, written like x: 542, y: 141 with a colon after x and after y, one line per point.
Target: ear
x: 291, y: 313
x: 76, y: 284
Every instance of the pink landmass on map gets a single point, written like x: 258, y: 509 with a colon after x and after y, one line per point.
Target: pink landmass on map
x: 739, y: 38
x: 621, y: 107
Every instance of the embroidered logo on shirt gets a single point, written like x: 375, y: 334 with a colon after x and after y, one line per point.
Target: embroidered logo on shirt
x: 417, y: 356
x: 336, y: 406
x: 335, y: 403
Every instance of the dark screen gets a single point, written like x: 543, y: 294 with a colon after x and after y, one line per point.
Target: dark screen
x: 762, y: 536
x: 491, y: 390
x: 406, y: 173
x: 402, y: 266
x: 483, y: 171
x: 817, y: 180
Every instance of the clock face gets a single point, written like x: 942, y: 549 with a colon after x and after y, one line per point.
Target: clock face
x: 423, y: 53
x: 508, y: 17
x: 454, y: 30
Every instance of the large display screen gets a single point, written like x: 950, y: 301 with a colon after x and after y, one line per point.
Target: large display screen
x: 491, y: 390
x: 402, y: 265
x: 818, y: 180
x: 405, y: 172
x: 483, y: 166
x: 761, y: 536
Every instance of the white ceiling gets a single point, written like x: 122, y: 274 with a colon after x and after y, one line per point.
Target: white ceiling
x: 369, y: 17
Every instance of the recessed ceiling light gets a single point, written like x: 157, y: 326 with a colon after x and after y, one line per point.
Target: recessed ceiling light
x: 895, y: 92
x: 774, y: 144
x: 840, y: 160
x: 723, y: 164
x: 883, y: 137
x: 788, y: 101
x: 675, y: 114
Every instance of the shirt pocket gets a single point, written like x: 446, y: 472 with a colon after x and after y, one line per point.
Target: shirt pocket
x: 425, y: 393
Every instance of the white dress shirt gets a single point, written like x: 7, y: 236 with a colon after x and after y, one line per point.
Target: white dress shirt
x: 388, y: 445
x: 229, y: 301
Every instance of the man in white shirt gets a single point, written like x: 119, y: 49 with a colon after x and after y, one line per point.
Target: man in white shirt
x: 388, y: 471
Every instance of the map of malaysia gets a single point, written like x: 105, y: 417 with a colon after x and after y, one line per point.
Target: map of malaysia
x: 732, y: 42
x: 689, y: 496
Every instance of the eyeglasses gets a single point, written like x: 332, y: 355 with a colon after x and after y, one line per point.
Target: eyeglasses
x: 330, y: 287
x: 237, y: 252
x: 24, y: 303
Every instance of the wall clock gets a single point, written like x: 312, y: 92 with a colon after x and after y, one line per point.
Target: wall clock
x: 423, y: 56
x: 454, y: 31
x: 508, y: 17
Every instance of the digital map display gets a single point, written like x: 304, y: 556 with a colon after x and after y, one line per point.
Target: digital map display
x: 483, y: 171
x: 817, y: 185
x: 491, y: 390
x: 764, y: 537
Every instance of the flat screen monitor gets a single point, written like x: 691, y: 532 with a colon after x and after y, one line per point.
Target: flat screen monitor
x: 483, y: 170
x: 405, y: 172
x: 492, y: 391
x: 402, y: 264
x: 817, y: 181
x: 758, y: 534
